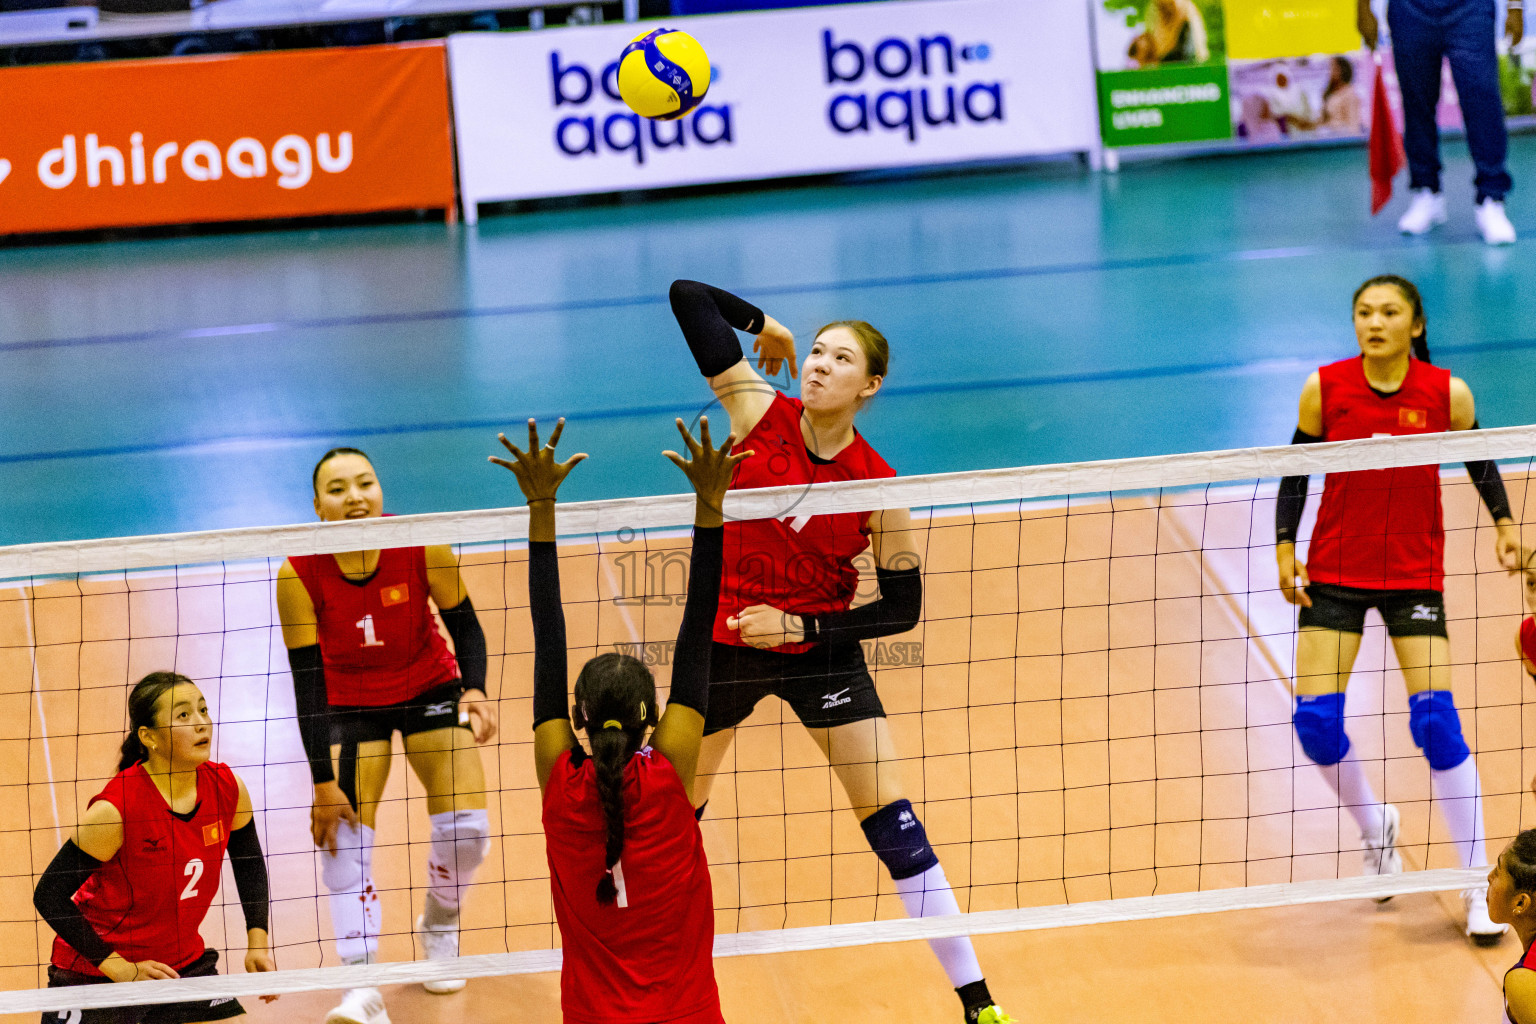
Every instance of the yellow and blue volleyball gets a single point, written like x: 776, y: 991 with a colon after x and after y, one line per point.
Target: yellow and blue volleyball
x: 663, y: 74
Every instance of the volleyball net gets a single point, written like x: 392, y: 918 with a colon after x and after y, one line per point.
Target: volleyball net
x: 1093, y: 718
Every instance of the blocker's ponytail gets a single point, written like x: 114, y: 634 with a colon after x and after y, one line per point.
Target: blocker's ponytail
x: 142, y: 701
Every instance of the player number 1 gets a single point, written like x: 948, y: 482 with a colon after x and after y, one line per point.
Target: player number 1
x: 193, y: 872
x: 369, y: 638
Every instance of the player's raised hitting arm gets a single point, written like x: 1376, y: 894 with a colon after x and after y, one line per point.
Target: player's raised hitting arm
x: 709, y: 318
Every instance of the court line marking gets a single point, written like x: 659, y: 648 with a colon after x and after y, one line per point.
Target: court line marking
x: 787, y: 940
x: 248, y: 442
x: 652, y: 299
x: 42, y: 716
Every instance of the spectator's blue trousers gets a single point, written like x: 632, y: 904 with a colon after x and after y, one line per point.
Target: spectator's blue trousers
x: 1424, y: 31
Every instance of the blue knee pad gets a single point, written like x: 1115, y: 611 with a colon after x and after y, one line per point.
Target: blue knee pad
x: 1319, y: 725
x: 900, y: 840
x: 1436, y: 729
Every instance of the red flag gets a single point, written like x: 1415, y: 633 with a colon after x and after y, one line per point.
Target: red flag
x: 1386, y: 146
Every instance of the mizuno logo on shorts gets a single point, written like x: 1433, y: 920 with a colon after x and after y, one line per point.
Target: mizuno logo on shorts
x: 444, y: 708
x: 1425, y: 613
x: 835, y: 699
x: 220, y: 1002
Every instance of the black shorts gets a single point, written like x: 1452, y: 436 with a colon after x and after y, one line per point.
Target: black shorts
x: 158, y: 1013
x: 437, y: 708
x: 826, y: 686
x: 1406, y: 612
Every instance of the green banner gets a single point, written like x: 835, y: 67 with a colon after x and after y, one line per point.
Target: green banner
x: 1184, y: 103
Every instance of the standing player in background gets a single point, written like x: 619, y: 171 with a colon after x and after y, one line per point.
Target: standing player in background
x: 1380, y: 543
x: 785, y: 627
x: 368, y: 661
x: 626, y: 862
x: 128, y: 894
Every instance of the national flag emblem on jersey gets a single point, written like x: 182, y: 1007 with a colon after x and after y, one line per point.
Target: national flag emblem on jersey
x: 397, y: 594
x: 212, y: 833
x: 1412, y: 418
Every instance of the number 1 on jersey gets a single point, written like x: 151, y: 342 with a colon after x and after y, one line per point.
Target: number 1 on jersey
x: 370, y: 639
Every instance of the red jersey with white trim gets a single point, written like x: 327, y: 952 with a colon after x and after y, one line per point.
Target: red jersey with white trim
x: 1381, y: 529
x: 797, y: 563
x: 378, y: 639
x: 1528, y: 643
x: 148, y: 902
x: 649, y: 956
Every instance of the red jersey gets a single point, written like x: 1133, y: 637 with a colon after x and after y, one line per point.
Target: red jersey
x: 797, y: 563
x: 1528, y: 639
x: 1380, y: 529
x: 1527, y: 961
x: 149, y: 901
x: 647, y: 957
x: 378, y: 640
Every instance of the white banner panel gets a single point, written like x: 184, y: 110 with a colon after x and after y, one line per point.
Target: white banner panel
x: 803, y: 91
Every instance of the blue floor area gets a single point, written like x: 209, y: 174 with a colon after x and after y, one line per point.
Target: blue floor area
x: 1039, y: 314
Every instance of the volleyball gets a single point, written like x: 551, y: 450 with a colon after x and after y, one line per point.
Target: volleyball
x: 663, y: 74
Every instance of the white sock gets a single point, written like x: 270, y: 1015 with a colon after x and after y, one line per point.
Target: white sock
x: 1459, y: 795
x: 1355, y: 794
x: 355, y: 914
x: 460, y: 840
x: 929, y: 895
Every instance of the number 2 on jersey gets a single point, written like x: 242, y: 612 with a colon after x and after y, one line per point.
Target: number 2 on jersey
x: 370, y: 639
x: 193, y: 872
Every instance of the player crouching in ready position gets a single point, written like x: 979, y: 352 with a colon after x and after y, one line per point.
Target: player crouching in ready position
x: 128, y: 894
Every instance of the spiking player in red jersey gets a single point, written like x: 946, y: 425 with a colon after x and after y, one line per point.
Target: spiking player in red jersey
x: 785, y: 628
x: 368, y: 661
x: 626, y: 863
x: 1379, y: 543
x: 129, y: 892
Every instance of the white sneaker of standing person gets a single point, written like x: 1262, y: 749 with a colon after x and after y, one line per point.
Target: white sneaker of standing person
x: 1480, y: 928
x: 1425, y: 211
x: 1493, y: 223
x: 359, y: 1006
x: 440, y: 942
x: 1379, y: 852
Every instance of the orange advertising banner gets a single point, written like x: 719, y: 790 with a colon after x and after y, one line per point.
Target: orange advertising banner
x: 243, y: 137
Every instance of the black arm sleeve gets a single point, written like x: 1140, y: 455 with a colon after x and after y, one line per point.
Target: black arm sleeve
x: 54, y: 900
x: 707, y: 316
x: 695, y: 637
x: 899, y: 607
x: 1490, y: 486
x: 550, y: 700
x: 250, y: 869
x: 1292, y: 500
x: 468, y: 643
x: 314, y: 710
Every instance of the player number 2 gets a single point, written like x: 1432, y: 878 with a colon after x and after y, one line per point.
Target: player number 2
x: 370, y: 639
x: 193, y: 872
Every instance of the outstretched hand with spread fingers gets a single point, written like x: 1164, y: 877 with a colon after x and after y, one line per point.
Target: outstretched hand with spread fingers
x: 709, y: 469
x: 537, y: 472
